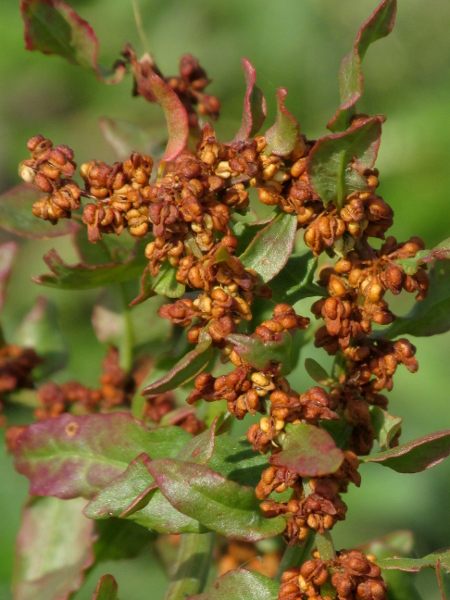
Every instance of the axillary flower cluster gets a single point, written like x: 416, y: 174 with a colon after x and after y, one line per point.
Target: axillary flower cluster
x: 189, y: 211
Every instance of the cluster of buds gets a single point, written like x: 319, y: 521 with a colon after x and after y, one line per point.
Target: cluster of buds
x: 51, y: 170
x: 352, y: 576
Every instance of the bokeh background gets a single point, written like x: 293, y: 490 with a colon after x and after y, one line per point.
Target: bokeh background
x: 297, y: 44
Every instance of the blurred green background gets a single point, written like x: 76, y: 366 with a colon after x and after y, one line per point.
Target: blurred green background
x: 297, y: 44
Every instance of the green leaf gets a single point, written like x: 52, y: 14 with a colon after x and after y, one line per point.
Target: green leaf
x: 133, y: 495
x: 40, y: 330
x: 52, y: 27
x: 336, y: 161
x: 241, y: 585
x: 219, y: 504
x: 318, y: 373
x: 411, y: 265
x: 415, y: 456
x: 82, y: 276
x: 270, y: 357
x: 164, y: 284
x: 295, y: 281
x: 283, y: 136
x: 16, y: 215
x: 106, y: 589
x: 125, y: 137
x: 118, y: 539
x: 191, y: 365
x: 235, y: 459
x: 384, y: 425
x: 272, y: 246
x: 308, y: 451
x: 351, y: 81
x: 416, y: 564
x: 255, y: 107
x: 429, y: 316
x: 54, y: 548
x: 69, y: 456
x: 8, y: 252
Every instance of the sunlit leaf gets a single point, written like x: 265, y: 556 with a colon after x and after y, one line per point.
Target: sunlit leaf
x: 272, y: 246
x: 384, y: 425
x: 16, y: 215
x: 295, y: 281
x: 308, y: 451
x: 336, y: 162
x: 52, y: 27
x: 255, y: 107
x: 219, y: 504
x: 283, y: 136
x: 106, y: 589
x: 416, y: 564
x: 415, y: 456
x: 191, y: 365
x: 270, y: 357
x: 69, y: 456
x: 411, y: 265
x: 241, y: 585
x: 8, y: 252
x: 54, y: 548
x: 351, y: 81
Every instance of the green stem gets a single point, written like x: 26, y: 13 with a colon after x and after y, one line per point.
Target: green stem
x: 340, y: 200
x: 295, y: 556
x: 127, y: 342
x: 192, y: 566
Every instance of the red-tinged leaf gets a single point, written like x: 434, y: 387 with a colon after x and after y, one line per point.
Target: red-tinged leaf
x: 384, y: 425
x: 336, y: 161
x: 429, y: 316
x: 133, y: 496
x: 351, y: 81
x: 125, y: 137
x: 241, y: 585
x: 411, y: 265
x: 40, y: 330
x: 283, y: 136
x: 191, y: 365
x: 272, y: 246
x: 8, y: 252
x: 441, y: 557
x: 82, y: 276
x: 270, y: 357
x: 54, y: 548
x: 318, y: 373
x: 163, y: 284
x: 106, y: 589
x: 219, y: 504
x: 201, y: 448
x: 308, y: 451
x: 17, y: 217
x: 154, y: 89
x: 52, y: 27
x: 415, y: 456
x: 71, y: 456
x: 255, y: 107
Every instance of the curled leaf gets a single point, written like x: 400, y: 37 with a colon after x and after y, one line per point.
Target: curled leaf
x: 336, y: 162
x: 308, y: 451
x: 415, y: 456
x: 411, y: 265
x: 52, y: 27
x: 283, y: 136
x: 255, y: 107
x: 270, y: 357
x: 384, y: 425
x: 351, y: 81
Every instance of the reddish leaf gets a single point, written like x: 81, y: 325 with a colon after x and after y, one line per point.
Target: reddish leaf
x: 52, y: 27
x: 71, y: 456
x: 154, y: 89
x: 82, y: 276
x: 255, y: 107
x: 270, y: 357
x: 219, y: 504
x: 351, y: 81
x: 7, y: 254
x: 106, y: 589
x: 308, y: 451
x: 414, y: 456
x: 336, y: 162
x: 435, y: 559
x: 191, y: 365
x: 16, y: 215
x: 53, y: 549
x: 241, y: 585
x: 271, y: 248
x: 200, y: 449
x: 411, y: 265
x: 283, y: 136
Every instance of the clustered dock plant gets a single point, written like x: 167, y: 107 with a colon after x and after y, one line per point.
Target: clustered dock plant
x: 231, y: 235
